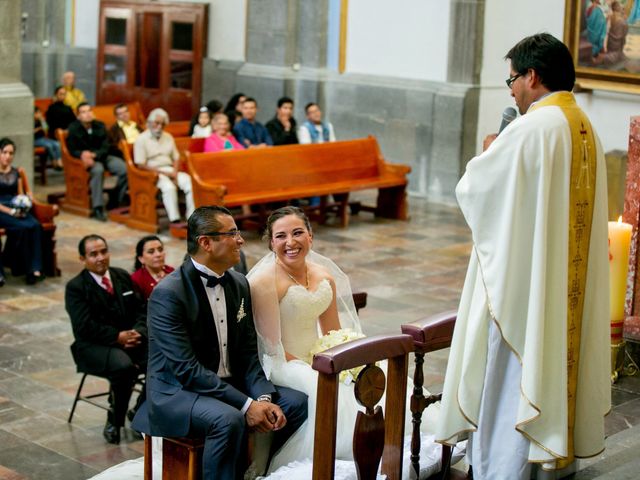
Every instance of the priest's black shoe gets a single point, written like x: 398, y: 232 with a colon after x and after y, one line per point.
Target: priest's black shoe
x: 111, y: 433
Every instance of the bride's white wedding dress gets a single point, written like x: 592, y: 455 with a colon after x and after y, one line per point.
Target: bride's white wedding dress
x: 291, y: 325
x: 299, y: 312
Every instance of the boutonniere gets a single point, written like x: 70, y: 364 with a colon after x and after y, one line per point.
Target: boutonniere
x: 241, y: 313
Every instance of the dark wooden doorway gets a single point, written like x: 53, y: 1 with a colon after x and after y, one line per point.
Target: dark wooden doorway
x: 152, y: 52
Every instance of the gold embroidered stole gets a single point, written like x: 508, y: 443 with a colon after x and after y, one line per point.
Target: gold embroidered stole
x: 581, y: 201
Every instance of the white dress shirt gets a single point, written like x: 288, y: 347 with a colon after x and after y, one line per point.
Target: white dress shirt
x: 218, y: 304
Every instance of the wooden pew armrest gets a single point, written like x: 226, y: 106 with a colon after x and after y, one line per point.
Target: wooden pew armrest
x: 219, y: 189
x: 361, y: 352
x: 397, y: 168
x: 432, y: 333
x: 44, y: 212
x: 146, y: 176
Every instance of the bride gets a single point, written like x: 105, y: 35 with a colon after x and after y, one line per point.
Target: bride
x: 299, y: 295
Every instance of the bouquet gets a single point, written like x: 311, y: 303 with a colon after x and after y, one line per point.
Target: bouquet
x: 338, y: 337
x: 22, y: 203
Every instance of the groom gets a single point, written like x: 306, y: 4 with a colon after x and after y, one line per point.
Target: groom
x: 204, y: 378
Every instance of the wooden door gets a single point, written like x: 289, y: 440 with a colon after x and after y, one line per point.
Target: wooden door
x: 152, y: 53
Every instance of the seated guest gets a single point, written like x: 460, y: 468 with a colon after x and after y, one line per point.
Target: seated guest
x: 248, y: 131
x: 88, y: 141
x: 214, y: 106
x: 149, y: 265
x: 314, y: 130
x: 74, y: 96
x: 40, y: 139
x: 202, y: 129
x: 205, y: 377
x: 282, y: 127
x: 24, y: 233
x: 59, y: 115
x: 221, y: 139
x: 124, y: 128
x: 156, y: 150
x: 233, y: 108
x: 110, y: 329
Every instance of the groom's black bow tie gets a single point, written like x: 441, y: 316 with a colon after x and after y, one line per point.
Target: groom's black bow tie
x: 212, y: 281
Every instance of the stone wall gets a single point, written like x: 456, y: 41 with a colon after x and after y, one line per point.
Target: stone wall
x: 16, y: 100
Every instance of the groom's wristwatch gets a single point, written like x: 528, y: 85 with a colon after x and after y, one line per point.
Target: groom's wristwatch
x: 265, y: 398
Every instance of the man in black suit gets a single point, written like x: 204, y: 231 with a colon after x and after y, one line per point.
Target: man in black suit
x: 87, y: 140
x: 109, y: 326
x: 204, y: 377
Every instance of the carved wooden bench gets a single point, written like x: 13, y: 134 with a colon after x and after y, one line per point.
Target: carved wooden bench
x: 260, y: 176
x: 44, y: 213
x: 144, y: 195
x: 77, y: 198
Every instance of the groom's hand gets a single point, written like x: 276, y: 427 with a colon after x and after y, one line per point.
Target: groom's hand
x: 265, y: 417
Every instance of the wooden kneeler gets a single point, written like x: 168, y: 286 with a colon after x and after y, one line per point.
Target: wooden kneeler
x: 181, y: 458
x: 375, y: 437
x: 429, y: 334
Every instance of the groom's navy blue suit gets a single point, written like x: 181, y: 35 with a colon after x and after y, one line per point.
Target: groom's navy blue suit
x: 184, y: 393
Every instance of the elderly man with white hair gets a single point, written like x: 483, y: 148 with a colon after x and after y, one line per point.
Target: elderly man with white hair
x: 155, y: 150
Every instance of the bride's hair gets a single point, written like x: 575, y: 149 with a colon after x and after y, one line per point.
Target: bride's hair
x: 281, y: 213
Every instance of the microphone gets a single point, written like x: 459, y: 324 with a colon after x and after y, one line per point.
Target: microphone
x: 508, y: 116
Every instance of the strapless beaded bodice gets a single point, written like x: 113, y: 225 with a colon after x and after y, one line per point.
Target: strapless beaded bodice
x: 299, y: 312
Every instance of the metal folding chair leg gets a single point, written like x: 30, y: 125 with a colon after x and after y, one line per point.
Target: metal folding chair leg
x: 86, y: 398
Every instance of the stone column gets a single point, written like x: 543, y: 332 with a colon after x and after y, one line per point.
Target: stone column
x: 16, y: 100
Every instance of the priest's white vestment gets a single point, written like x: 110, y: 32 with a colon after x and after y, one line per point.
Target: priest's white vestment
x: 515, y: 197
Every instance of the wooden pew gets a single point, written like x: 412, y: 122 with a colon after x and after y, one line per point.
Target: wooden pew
x: 44, y: 213
x: 259, y: 176
x: 144, y: 195
x: 178, y: 129
x: 77, y: 197
x: 106, y: 115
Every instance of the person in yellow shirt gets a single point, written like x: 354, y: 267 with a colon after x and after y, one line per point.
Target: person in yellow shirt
x: 124, y: 128
x: 74, y: 96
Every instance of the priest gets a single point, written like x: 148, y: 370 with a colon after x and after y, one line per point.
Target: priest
x: 528, y: 373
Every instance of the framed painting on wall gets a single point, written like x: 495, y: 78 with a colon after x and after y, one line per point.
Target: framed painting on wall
x: 604, y: 39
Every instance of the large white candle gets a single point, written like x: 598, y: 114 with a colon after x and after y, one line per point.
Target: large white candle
x: 619, y: 240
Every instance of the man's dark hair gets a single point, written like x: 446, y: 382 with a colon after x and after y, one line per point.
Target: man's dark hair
x: 82, y: 104
x: 251, y: 99
x: 82, y: 246
x: 548, y: 56
x: 309, y: 105
x: 283, y: 100
x: 203, y: 220
x: 57, y: 89
x: 214, y: 106
x: 118, y: 107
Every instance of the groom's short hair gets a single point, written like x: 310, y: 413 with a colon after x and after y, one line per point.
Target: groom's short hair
x: 201, y: 221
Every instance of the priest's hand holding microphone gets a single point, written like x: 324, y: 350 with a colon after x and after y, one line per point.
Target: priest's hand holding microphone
x: 508, y: 115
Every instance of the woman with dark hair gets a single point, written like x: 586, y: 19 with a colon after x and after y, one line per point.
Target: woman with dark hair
x: 232, y: 110
x: 149, y: 265
x: 24, y: 232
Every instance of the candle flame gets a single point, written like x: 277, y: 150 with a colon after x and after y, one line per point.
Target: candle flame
x: 620, y: 219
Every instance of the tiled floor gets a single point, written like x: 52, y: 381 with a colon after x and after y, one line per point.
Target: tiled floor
x: 409, y: 269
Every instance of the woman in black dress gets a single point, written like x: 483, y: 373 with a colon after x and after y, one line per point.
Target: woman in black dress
x: 24, y: 234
